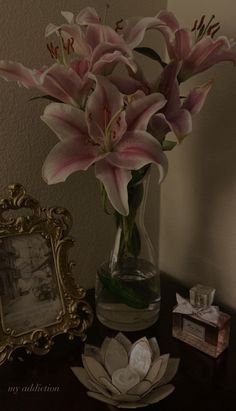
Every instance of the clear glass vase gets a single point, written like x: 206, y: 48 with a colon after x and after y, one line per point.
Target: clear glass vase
x: 127, y: 288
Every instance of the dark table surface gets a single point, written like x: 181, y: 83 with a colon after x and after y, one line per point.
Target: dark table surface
x: 202, y: 383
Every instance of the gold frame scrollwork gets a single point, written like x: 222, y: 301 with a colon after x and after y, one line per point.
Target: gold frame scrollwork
x: 53, y: 224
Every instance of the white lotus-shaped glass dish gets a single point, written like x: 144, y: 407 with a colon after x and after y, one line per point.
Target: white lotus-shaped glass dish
x: 127, y: 375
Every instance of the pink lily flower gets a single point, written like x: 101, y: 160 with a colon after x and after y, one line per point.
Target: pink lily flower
x: 60, y: 82
x: 87, y: 16
x: 176, y: 115
x: 205, y: 54
x: 196, y: 48
x: 198, y: 51
x: 68, y: 81
x: 89, y: 34
x: 108, y: 135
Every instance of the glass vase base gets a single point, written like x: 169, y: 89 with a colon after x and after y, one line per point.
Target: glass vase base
x: 120, y: 317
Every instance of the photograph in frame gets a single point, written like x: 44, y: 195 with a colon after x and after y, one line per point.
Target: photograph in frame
x: 29, y: 288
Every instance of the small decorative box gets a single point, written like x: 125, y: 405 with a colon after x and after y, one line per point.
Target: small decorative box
x: 200, y: 324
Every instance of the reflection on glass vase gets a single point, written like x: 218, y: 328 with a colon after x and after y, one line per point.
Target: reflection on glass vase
x: 128, y: 285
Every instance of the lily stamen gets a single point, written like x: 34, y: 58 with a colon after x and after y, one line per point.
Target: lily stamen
x: 117, y: 114
x: 90, y: 118
x: 65, y: 47
x: 209, y: 22
x: 53, y: 50
x: 215, y: 31
x: 50, y: 50
x: 194, y: 25
x: 202, y: 29
x: 201, y: 32
x: 215, y: 27
x: 201, y: 22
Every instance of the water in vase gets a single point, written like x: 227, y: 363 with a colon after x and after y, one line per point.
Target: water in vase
x: 128, y: 298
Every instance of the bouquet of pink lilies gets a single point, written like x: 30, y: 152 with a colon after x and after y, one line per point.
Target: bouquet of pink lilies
x: 118, y: 123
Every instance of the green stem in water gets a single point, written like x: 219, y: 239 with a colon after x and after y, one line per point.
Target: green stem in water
x: 123, y: 294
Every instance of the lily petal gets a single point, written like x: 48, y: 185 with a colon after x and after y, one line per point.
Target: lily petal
x: 66, y: 158
x: 159, y: 126
x: 17, y: 72
x: 136, y: 149
x: 86, y: 16
x: 136, y: 27
x: 169, y: 19
x: 50, y: 29
x: 76, y: 151
x: 80, y: 66
x: 183, y: 44
x: 224, y: 55
x: 63, y: 83
x: 65, y: 121
x: 196, y: 98
x: 205, y: 54
x: 141, y: 110
x: 206, y: 47
x: 115, y: 181
x: 126, y: 85
x: 98, y: 34
x: 112, y: 59
x: 169, y: 87
x: 180, y: 123
x: 106, y: 48
x: 69, y: 16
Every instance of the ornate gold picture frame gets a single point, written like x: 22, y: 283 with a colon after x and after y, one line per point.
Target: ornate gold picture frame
x: 38, y: 295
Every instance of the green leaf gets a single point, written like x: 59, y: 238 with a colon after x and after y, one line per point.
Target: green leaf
x: 122, y: 293
x: 168, y: 145
x: 135, y: 195
x: 104, y: 199
x: 47, y: 97
x: 137, y: 175
x: 152, y: 54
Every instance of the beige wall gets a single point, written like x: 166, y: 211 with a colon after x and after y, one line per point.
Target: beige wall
x: 25, y: 139
x: 198, y: 230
